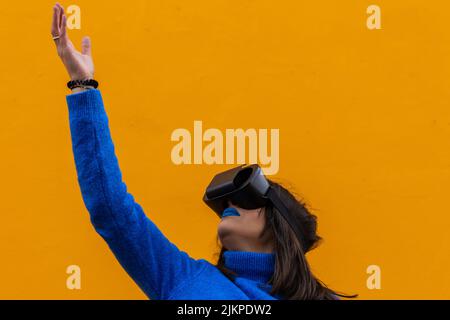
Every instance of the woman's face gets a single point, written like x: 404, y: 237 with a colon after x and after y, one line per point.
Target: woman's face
x: 242, y: 230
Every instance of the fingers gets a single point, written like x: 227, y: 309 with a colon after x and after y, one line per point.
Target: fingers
x: 86, y: 47
x: 54, y: 26
x: 61, y: 15
x: 63, y: 27
x: 58, y: 17
x: 55, y: 22
x: 59, y: 26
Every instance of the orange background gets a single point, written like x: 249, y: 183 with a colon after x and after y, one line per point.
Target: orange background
x: 364, y: 119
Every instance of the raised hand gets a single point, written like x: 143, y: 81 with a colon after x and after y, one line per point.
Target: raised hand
x: 79, y: 65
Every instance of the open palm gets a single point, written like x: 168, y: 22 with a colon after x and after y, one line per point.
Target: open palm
x: 79, y: 65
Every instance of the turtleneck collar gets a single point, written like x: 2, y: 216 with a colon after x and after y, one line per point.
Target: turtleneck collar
x: 257, y: 266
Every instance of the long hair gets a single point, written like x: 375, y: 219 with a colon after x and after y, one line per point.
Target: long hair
x: 292, y: 278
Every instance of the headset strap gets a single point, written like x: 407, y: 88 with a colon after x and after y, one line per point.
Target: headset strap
x: 297, y: 228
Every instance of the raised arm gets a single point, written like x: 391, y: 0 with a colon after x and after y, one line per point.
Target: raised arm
x: 155, y: 263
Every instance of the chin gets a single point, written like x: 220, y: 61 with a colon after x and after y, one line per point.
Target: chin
x: 229, y: 223
x: 225, y: 230
x: 230, y: 233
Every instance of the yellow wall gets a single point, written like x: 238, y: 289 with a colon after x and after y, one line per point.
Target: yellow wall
x: 364, y: 119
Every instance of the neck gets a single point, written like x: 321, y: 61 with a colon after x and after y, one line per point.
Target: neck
x: 257, y: 266
x: 248, y: 246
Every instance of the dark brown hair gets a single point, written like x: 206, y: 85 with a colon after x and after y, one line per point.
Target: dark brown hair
x: 292, y: 278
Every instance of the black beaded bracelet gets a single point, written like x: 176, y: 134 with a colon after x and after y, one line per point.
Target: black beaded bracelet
x: 81, y: 83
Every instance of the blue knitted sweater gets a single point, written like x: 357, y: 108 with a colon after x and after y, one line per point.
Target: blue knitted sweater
x: 159, y: 268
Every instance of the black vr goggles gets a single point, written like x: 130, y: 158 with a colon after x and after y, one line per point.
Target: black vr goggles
x: 247, y: 187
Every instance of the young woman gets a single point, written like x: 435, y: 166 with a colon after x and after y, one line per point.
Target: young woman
x: 260, y: 258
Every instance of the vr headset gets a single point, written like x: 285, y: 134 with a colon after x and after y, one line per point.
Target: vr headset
x: 247, y: 187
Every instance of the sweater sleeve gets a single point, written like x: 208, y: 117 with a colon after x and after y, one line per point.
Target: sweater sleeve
x: 153, y: 262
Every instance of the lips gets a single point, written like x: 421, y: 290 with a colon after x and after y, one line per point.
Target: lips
x: 230, y: 212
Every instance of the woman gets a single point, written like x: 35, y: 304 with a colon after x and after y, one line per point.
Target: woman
x: 260, y: 258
